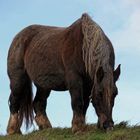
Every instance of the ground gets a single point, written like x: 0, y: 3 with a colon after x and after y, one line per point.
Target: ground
x: 121, y: 132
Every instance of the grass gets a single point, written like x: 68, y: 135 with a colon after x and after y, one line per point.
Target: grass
x: 121, y: 132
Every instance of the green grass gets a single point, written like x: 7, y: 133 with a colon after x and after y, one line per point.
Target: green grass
x: 120, y: 132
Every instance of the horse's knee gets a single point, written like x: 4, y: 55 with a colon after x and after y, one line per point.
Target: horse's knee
x: 77, y: 104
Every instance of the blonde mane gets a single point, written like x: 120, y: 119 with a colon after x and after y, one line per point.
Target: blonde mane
x: 95, y: 46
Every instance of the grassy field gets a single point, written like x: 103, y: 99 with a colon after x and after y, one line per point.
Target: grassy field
x: 121, y: 132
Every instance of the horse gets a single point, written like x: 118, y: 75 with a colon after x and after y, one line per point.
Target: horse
x: 79, y: 58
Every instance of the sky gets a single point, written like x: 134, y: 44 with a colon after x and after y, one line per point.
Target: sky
x: 119, y: 19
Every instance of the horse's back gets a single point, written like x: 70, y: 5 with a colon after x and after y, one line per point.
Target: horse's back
x: 30, y: 37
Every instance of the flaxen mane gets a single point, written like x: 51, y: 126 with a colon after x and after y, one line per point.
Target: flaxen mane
x: 95, y: 51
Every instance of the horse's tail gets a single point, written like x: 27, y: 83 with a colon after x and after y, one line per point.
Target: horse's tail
x: 20, y: 82
x: 26, y: 103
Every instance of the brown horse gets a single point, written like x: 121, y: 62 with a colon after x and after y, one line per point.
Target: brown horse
x: 79, y: 58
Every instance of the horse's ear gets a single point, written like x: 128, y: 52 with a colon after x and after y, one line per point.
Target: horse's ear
x: 117, y: 73
x: 100, y: 74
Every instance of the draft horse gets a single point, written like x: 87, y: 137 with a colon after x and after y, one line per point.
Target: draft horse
x: 79, y: 58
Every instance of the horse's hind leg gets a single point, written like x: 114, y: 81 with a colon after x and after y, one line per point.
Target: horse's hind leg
x: 20, y: 101
x: 14, y: 101
x: 39, y: 104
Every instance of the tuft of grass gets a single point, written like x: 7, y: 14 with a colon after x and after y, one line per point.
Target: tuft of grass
x: 122, y: 131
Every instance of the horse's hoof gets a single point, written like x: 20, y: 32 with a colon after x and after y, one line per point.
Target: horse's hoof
x: 43, y: 122
x: 13, y: 126
x: 12, y: 131
x: 109, y: 129
x: 41, y: 127
x: 77, y: 130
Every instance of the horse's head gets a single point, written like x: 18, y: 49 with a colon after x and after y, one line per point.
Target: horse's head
x: 103, y: 95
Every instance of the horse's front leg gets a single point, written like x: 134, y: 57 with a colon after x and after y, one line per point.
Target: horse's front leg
x: 86, y: 96
x: 75, y: 86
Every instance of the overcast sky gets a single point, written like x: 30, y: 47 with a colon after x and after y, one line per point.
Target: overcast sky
x: 119, y: 19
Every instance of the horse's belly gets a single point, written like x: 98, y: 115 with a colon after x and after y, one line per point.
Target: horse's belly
x: 51, y: 81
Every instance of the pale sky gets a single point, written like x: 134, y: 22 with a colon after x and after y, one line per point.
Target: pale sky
x: 119, y: 19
